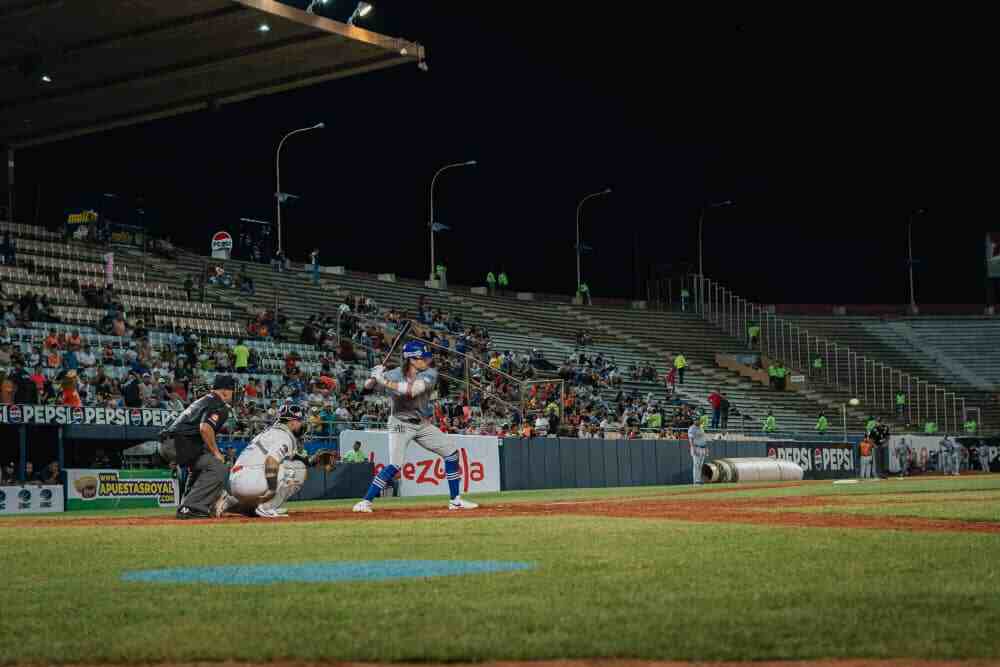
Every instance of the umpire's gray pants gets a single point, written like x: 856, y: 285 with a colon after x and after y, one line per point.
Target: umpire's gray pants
x: 205, y: 483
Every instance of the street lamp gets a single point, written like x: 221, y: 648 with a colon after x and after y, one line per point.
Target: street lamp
x: 362, y: 10
x: 701, y: 223
x: 277, y: 170
x: 909, y: 244
x: 853, y: 403
x: 433, y: 227
x: 605, y: 191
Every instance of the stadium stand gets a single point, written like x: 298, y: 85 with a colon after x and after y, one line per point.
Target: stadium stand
x: 603, y: 375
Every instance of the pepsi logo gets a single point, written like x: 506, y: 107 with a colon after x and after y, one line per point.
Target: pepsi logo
x: 135, y: 416
x: 222, y: 241
x: 24, y: 495
x: 46, y: 494
x: 77, y: 416
x: 14, y: 414
x: 3, y: 496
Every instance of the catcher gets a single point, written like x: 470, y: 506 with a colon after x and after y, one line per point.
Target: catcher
x: 271, y: 468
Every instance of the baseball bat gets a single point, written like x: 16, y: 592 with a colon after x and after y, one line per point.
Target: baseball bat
x: 405, y: 329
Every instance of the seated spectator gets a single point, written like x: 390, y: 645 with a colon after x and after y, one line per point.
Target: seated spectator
x: 118, y: 325
x: 74, y: 342
x: 86, y: 358
x: 101, y: 460
x: 52, y: 340
x: 53, y: 475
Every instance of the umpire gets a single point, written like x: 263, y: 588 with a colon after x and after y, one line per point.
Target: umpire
x: 190, y: 441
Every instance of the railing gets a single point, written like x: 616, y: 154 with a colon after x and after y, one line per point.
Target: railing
x: 872, y: 382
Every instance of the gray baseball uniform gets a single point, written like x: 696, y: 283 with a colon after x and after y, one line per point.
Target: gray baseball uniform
x: 699, y: 451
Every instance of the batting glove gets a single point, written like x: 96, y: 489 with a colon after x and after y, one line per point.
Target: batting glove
x: 378, y: 374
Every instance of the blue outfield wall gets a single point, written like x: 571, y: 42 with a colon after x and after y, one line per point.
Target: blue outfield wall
x: 565, y: 463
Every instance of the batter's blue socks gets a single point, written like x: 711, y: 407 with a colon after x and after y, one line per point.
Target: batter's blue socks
x: 383, y: 478
x: 454, y: 473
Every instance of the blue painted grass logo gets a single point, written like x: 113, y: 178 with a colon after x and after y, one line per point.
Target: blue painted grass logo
x: 324, y: 572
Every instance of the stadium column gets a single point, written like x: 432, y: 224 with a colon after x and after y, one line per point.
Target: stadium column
x: 62, y: 452
x: 23, y: 451
x: 10, y: 184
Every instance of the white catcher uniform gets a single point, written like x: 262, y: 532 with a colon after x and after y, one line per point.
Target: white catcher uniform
x: 247, y: 482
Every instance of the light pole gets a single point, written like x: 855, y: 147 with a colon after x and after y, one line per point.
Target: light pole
x: 455, y: 165
x: 605, y: 191
x: 909, y: 246
x: 277, y: 170
x: 701, y: 224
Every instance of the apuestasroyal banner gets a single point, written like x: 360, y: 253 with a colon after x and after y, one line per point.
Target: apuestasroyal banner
x: 119, y: 489
x: 31, y: 499
x: 423, y: 472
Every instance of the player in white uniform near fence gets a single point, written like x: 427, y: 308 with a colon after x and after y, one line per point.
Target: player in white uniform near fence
x: 409, y: 388
x: 269, y: 470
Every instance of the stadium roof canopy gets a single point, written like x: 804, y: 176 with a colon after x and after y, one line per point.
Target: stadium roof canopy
x: 114, y: 63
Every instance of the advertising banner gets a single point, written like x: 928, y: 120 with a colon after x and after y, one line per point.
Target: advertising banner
x: 60, y: 415
x: 119, y: 489
x: 423, y: 472
x: 818, y: 461
x: 31, y: 499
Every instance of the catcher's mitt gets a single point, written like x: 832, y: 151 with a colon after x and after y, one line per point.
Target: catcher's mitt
x: 326, y: 458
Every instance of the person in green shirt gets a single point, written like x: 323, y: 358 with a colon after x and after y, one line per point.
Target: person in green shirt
x: 442, y: 273
x: 822, y: 424
x: 770, y: 425
x: 870, y: 425
x: 242, y: 355
x: 753, y: 334
x: 703, y: 422
x: 900, y: 402
x: 772, y: 376
x: 583, y: 292
x: 680, y: 363
x: 502, y: 282
x: 930, y: 427
x: 779, y: 373
x: 818, y: 365
x: 355, y: 455
x: 491, y: 283
x: 970, y: 426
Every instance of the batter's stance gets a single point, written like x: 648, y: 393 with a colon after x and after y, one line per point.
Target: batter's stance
x: 409, y: 387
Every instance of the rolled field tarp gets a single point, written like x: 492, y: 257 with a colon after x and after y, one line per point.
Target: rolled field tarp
x: 751, y: 470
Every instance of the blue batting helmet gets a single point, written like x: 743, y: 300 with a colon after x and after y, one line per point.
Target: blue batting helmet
x: 416, y: 350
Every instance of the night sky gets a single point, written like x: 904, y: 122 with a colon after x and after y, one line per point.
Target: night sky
x: 826, y: 132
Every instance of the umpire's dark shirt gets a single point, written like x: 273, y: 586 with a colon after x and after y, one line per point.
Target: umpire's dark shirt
x: 186, y: 429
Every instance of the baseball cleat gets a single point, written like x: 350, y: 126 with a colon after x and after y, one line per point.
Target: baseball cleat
x: 266, y: 512
x: 457, y: 503
x: 223, y: 505
x: 363, y: 506
x: 281, y: 511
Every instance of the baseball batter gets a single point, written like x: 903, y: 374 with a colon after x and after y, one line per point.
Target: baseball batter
x: 409, y: 388
x: 699, y: 450
x: 269, y: 470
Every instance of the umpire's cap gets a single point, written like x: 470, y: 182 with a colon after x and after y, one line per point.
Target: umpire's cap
x: 224, y: 382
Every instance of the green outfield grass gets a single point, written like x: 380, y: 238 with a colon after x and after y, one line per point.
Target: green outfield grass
x: 601, y: 587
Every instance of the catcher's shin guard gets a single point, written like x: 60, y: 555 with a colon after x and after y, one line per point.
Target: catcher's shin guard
x: 291, y: 477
